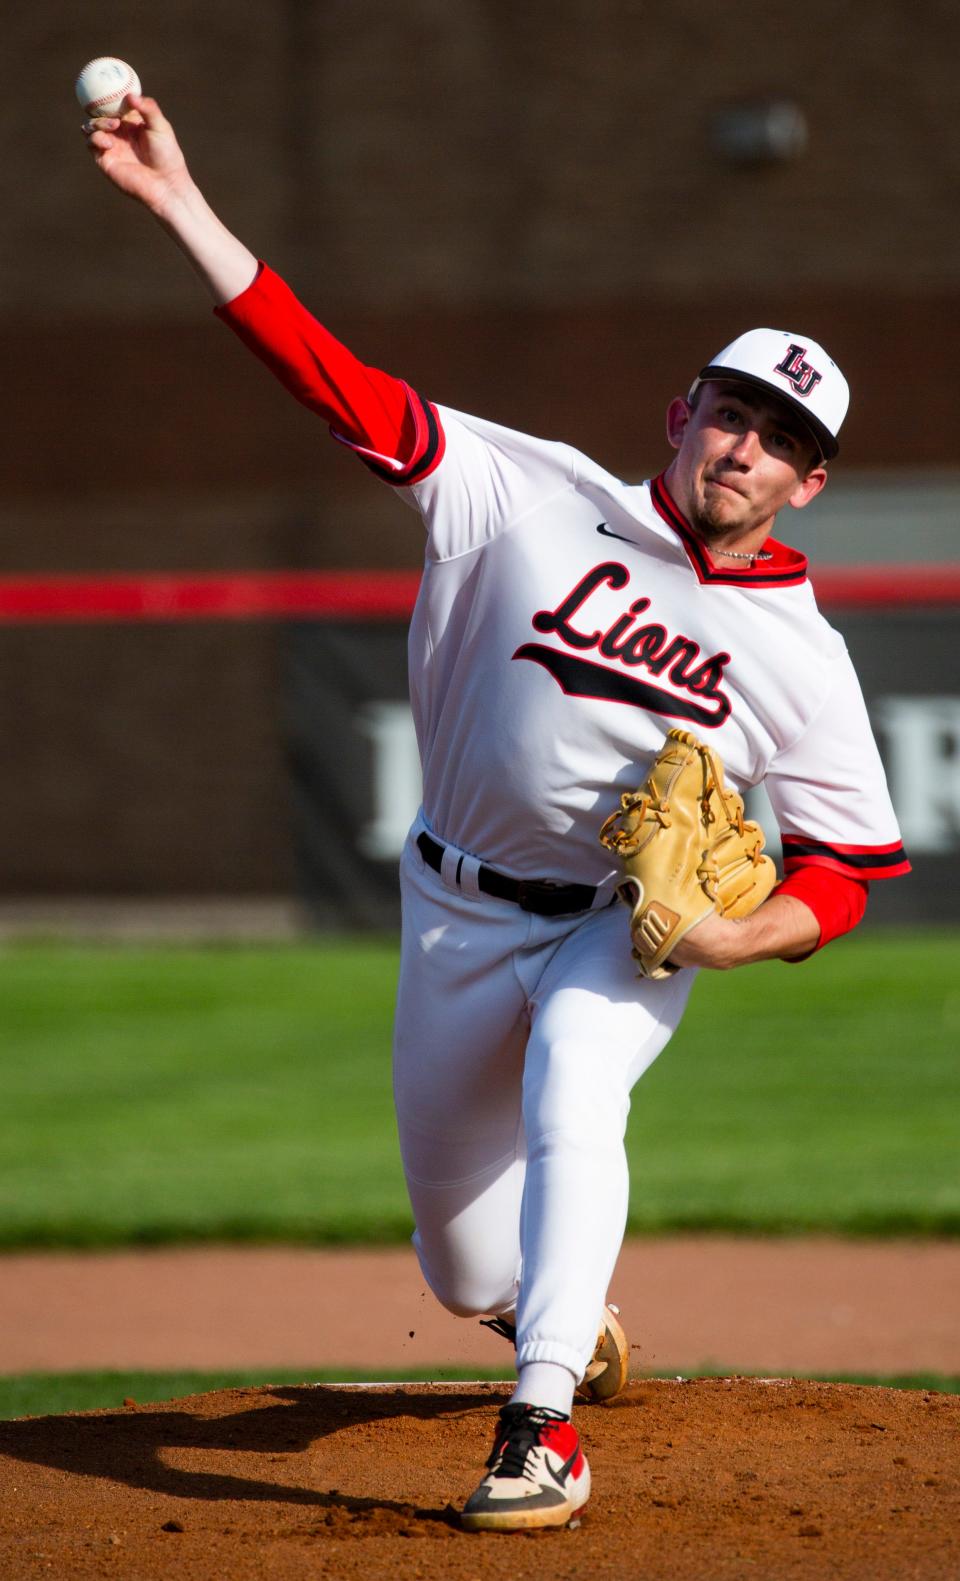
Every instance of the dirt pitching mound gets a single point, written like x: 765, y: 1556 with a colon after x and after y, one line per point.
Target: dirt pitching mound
x: 710, y: 1478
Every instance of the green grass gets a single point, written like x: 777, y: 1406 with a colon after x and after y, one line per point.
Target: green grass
x: 824, y: 1095
x: 53, y: 1394
x: 176, y: 1094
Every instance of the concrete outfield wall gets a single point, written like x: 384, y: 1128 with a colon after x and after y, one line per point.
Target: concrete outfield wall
x: 476, y: 151
x: 143, y: 760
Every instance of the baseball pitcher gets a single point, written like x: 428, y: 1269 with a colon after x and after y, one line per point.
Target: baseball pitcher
x: 565, y: 624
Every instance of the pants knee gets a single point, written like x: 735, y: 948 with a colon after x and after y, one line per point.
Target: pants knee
x: 465, y: 1291
x: 461, y: 1304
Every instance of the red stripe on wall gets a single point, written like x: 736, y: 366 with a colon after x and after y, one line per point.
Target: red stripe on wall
x: 885, y: 586
x: 234, y: 595
x: 363, y: 595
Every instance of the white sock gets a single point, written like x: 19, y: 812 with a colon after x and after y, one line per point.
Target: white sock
x: 545, y: 1383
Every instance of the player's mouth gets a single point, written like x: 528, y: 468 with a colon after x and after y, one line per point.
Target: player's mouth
x: 718, y: 483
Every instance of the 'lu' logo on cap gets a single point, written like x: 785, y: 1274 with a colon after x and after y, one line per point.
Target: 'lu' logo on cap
x: 802, y: 375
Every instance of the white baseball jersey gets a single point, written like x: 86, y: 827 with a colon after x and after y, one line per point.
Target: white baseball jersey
x: 567, y: 620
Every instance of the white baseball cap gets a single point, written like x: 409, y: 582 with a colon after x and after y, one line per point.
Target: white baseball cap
x: 796, y: 369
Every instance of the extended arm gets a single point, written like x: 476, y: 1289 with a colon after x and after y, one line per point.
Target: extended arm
x: 140, y: 155
x: 365, y: 407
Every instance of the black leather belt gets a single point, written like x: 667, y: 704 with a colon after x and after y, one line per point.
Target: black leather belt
x: 542, y: 895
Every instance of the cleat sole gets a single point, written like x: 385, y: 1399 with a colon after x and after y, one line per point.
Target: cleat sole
x: 607, y: 1372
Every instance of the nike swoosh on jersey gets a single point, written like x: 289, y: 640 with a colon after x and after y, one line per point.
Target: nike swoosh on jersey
x: 605, y: 530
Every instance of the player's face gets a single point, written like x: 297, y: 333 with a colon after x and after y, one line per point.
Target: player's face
x: 740, y: 459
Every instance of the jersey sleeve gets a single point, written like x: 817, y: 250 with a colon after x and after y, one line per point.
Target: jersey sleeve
x: 829, y: 792
x: 393, y: 429
x: 490, y: 477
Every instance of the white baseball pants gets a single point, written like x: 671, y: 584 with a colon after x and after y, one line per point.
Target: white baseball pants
x: 518, y: 1039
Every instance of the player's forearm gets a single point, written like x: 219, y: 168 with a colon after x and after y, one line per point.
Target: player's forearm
x: 782, y: 928
x: 363, y: 405
x: 221, y: 260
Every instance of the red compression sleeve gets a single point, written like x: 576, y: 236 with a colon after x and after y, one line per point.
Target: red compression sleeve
x: 367, y: 408
x: 837, y: 902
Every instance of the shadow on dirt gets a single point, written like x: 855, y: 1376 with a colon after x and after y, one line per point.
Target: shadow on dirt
x: 129, y: 1447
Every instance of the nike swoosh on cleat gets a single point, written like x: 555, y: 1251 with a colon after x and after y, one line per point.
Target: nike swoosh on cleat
x: 560, y: 1477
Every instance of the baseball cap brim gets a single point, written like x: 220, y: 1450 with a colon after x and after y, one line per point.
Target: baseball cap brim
x: 825, y: 441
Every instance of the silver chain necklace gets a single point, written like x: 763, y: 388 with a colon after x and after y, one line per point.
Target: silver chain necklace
x: 738, y: 554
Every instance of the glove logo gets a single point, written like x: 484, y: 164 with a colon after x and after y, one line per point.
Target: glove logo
x: 652, y: 930
x: 633, y: 646
x: 802, y: 375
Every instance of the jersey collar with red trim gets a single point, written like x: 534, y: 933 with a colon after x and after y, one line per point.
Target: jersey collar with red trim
x: 787, y: 568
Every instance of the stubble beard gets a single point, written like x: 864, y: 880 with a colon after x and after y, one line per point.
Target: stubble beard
x: 709, y: 519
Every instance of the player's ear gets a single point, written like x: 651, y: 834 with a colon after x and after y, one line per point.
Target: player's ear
x: 679, y: 413
x: 809, y: 487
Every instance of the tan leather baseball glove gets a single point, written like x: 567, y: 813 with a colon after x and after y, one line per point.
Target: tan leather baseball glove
x: 686, y: 849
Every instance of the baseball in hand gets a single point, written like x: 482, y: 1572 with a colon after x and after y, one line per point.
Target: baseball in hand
x: 103, y: 85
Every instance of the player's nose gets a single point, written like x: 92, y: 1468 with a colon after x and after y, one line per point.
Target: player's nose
x: 744, y: 447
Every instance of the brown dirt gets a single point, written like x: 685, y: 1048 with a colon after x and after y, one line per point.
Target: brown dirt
x: 798, y: 1307
x: 714, y: 1479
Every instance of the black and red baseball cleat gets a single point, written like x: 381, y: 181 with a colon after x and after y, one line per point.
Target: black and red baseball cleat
x: 537, y: 1474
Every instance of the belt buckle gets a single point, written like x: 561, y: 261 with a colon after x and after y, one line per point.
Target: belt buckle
x: 530, y: 890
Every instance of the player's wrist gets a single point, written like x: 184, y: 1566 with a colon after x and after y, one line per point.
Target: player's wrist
x: 177, y: 200
x: 713, y: 944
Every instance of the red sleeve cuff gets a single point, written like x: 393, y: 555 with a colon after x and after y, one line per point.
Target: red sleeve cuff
x: 854, y: 861
x: 837, y: 901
